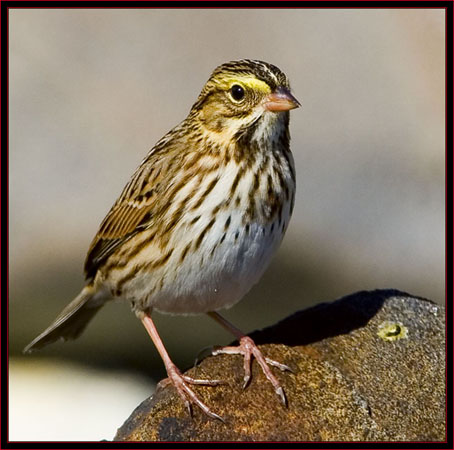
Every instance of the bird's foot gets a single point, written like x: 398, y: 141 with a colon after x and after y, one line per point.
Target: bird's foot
x: 181, y: 383
x: 249, y: 349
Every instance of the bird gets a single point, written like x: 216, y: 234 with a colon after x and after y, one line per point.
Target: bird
x: 199, y: 220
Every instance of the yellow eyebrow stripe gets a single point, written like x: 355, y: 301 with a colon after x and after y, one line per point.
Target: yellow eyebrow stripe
x: 250, y: 82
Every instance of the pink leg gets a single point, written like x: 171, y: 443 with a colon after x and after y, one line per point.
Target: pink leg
x: 179, y: 380
x: 248, y: 349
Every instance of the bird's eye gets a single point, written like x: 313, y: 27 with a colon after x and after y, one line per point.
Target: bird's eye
x: 237, y: 92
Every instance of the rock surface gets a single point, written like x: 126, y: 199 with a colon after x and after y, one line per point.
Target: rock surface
x: 367, y: 367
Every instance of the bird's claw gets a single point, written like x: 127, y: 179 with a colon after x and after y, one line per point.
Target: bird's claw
x: 189, y: 407
x: 191, y: 380
x: 280, y: 392
x: 249, y: 349
x: 246, y: 380
x: 189, y: 397
x: 279, y: 365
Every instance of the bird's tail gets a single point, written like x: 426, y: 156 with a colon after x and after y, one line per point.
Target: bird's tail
x: 71, y: 321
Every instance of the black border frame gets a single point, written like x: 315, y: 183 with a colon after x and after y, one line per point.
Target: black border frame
x: 6, y: 5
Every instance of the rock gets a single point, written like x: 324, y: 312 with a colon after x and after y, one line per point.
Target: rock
x: 367, y: 367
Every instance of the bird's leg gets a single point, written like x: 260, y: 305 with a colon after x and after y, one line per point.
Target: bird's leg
x: 249, y: 349
x: 179, y: 380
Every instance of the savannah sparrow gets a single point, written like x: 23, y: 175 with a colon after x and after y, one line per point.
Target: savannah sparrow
x: 197, y: 224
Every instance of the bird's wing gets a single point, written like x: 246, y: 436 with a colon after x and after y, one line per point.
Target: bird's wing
x: 134, y: 208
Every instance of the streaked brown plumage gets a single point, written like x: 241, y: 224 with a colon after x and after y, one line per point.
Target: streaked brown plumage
x: 201, y: 217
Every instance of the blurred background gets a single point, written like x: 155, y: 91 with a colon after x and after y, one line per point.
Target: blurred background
x: 91, y: 91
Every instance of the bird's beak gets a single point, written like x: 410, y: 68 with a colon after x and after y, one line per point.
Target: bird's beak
x: 281, y: 100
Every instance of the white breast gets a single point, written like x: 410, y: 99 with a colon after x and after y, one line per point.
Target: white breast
x: 229, y: 260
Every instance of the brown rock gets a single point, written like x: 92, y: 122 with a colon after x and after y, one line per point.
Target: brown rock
x: 367, y: 367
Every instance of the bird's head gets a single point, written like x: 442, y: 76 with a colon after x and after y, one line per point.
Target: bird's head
x: 240, y: 95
